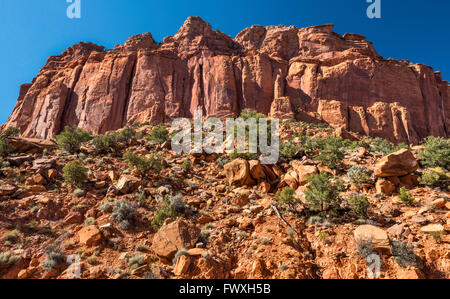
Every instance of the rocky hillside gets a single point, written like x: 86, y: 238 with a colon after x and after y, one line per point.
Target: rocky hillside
x: 123, y: 205
x: 312, y: 74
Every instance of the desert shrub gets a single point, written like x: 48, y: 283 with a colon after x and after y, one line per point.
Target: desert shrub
x: 365, y: 248
x: 404, y: 255
x: 124, y: 214
x: 172, y: 207
x: 405, y: 197
x: 430, y: 178
x: 136, y: 261
x: 159, y: 135
x: 54, y: 258
x: 331, y: 152
x: 322, y: 193
x: 286, y: 197
x: 358, y: 175
x: 178, y: 254
x: 186, y: 164
x: 357, y: 144
x: 75, y: 173
x: 359, y: 204
x: 12, y: 237
x: 90, y: 221
x: 125, y: 136
x: 105, y: 207
x: 10, y: 132
x: 7, y: 259
x: 71, y: 139
x: 289, y: 149
x: 143, y: 164
x: 436, y: 153
x: 381, y: 146
x: 106, y: 144
x: 5, y: 146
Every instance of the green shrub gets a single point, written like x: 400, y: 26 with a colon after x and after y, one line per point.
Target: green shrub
x: 179, y: 253
x: 54, y: 258
x: 71, y: 139
x: 159, y: 135
x: 331, y: 152
x: 430, y: 178
x: 381, y: 146
x: 136, y: 261
x: 358, y: 204
x: 75, y: 173
x: 286, y: 197
x: 12, y: 237
x: 7, y: 259
x: 436, y: 153
x: 405, y: 197
x: 124, y: 214
x: 289, y: 149
x: 186, y: 164
x: 404, y: 255
x: 10, y: 132
x: 172, y: 207
x: 5, y: 146
x: 358, y: 175
x: 322, y: 193
x: 143, y: 164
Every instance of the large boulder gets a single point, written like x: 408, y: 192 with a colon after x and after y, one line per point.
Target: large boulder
x: 304, y: 171
x: 238, y: 173
x: 373, y: 235
x: 173, y: 237
x: 397, y: 164
x: 128, y: 184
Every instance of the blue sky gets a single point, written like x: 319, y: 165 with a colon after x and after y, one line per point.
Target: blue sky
x: 32, y: 30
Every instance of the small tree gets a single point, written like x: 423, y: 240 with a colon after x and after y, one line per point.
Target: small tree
x: 5, y: 146
x: 405, y: 197
x: 358, y: 175
x: 159, y: 135
x: 71, y: 139
x: 286, y: 197
x: 143, y: 164
x: 436, y: 153
x: 332, y: 153
x: 75, y: 173
x: 358, y: 204
x: 322, y: 192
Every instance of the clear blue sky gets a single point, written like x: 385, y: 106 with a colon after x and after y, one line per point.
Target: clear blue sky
x: 32, y: 30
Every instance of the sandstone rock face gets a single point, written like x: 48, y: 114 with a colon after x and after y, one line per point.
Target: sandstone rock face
x: 309, y: 73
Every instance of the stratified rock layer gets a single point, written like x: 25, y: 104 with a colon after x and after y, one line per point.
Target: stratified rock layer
x: 319, y: 74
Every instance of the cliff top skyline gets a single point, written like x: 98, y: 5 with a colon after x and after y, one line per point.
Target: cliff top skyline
x: 28, y: 38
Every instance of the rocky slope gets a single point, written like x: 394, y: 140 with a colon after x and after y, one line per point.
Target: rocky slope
x: 229, y: 223
x: 311, y: 73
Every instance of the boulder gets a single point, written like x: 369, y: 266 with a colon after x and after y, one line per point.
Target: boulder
x: 7, y: 189
x: 385, y: 187
x: 374, y: 235
x: 400, y: 163
x: 304, y: 171
x: 90, y: 235
x: 128, y: 184
x: 238, y: 173
x: 173, y: 237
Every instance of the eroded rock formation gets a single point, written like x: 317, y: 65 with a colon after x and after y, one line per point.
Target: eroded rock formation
x: 325, y: 76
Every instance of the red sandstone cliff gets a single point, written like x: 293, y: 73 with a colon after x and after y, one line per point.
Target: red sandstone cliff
x: 313, y: 72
